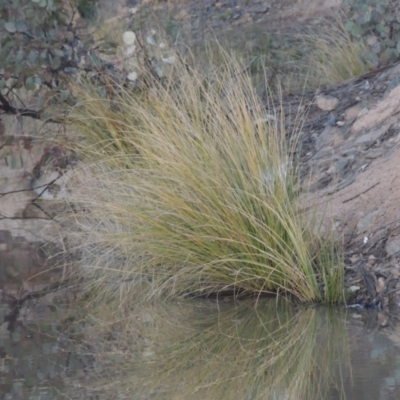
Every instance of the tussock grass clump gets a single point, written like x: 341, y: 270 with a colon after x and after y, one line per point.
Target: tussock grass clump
x: 191, y: 188
x: 334, y: 55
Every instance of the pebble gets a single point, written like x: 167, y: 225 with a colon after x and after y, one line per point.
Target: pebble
x: 365, y: 222
x: 393, y: 246
x: 327, y: 103
x: 252, y: 45
x: 352, y: 113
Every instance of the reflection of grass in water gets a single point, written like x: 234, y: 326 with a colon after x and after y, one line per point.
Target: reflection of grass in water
x: 201, y: 351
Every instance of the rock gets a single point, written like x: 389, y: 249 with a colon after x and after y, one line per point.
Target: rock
x: 261, y: 9
x: 245, y: 19
x: 394, y: 272
x: 371, y: 260
x: 327, y: 103
x: 330, y: 136
x: 373, y: 136
x: 252, y: 45
x: 379, y: 114
x: 331, y: 121
x: 365, y: 222
x: 372, y: 40
x: 380, y: 284
x: 383, y: 319
x: 11, y: 272
x: 182, y: 15
x: 353, y: 112
x: 393, y: 246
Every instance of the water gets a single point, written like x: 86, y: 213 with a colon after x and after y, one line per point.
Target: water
x: 210, y: 350
x: 38, y: 358
x: 192, y: 349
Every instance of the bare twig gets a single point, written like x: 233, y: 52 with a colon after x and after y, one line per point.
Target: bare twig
x: 359, y: 194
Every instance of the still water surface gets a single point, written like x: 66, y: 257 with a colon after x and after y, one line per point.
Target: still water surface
x: 202, y: 350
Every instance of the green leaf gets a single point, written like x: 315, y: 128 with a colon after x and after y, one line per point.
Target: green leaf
x: 29, y: 12
x: 13, y: 163
x: 381, y: 29
x: 42, y: 3
x: 57, y: 52
x: 32, y: 56
x: 52, y: 33
x: 389, y: 43
x: 150, y: 40
x: 9, y: 141
x: 51, y: 6
x: 10, y: 26
x: 29, y: 84
x: 40, y: 101
x: 20, y: 55
x: 356, y: 31
x: 7, y: 48
x: 389, y: 17
x: 21, y: 26
x: 55, y: 62
x: 349, y: 25
x: 43, y: 54
x: 389, y: 55
x: 64, y: 95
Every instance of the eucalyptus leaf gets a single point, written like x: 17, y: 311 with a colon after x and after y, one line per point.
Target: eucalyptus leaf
x: 57, y: 52
x: 64, y: 95
x: 50, y: 5
x: 43, y: 54
x: 20, y: 55
x: 40, y: 102
x: 10, y: 26
x: 21, y: 26
x: 56, y: 62
x: 13, y: 166
x: 356, y: 31
x: 349, y: 25
x: 150, y: 40
x: 29, y: 83
x: 32, y: 56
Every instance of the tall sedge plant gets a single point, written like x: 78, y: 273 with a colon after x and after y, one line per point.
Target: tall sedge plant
x: 191, y: 188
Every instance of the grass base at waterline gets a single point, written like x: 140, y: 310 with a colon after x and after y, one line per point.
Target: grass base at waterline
x: 191, y: 186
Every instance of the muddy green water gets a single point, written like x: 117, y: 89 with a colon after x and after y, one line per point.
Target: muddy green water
x: 200, y: 349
